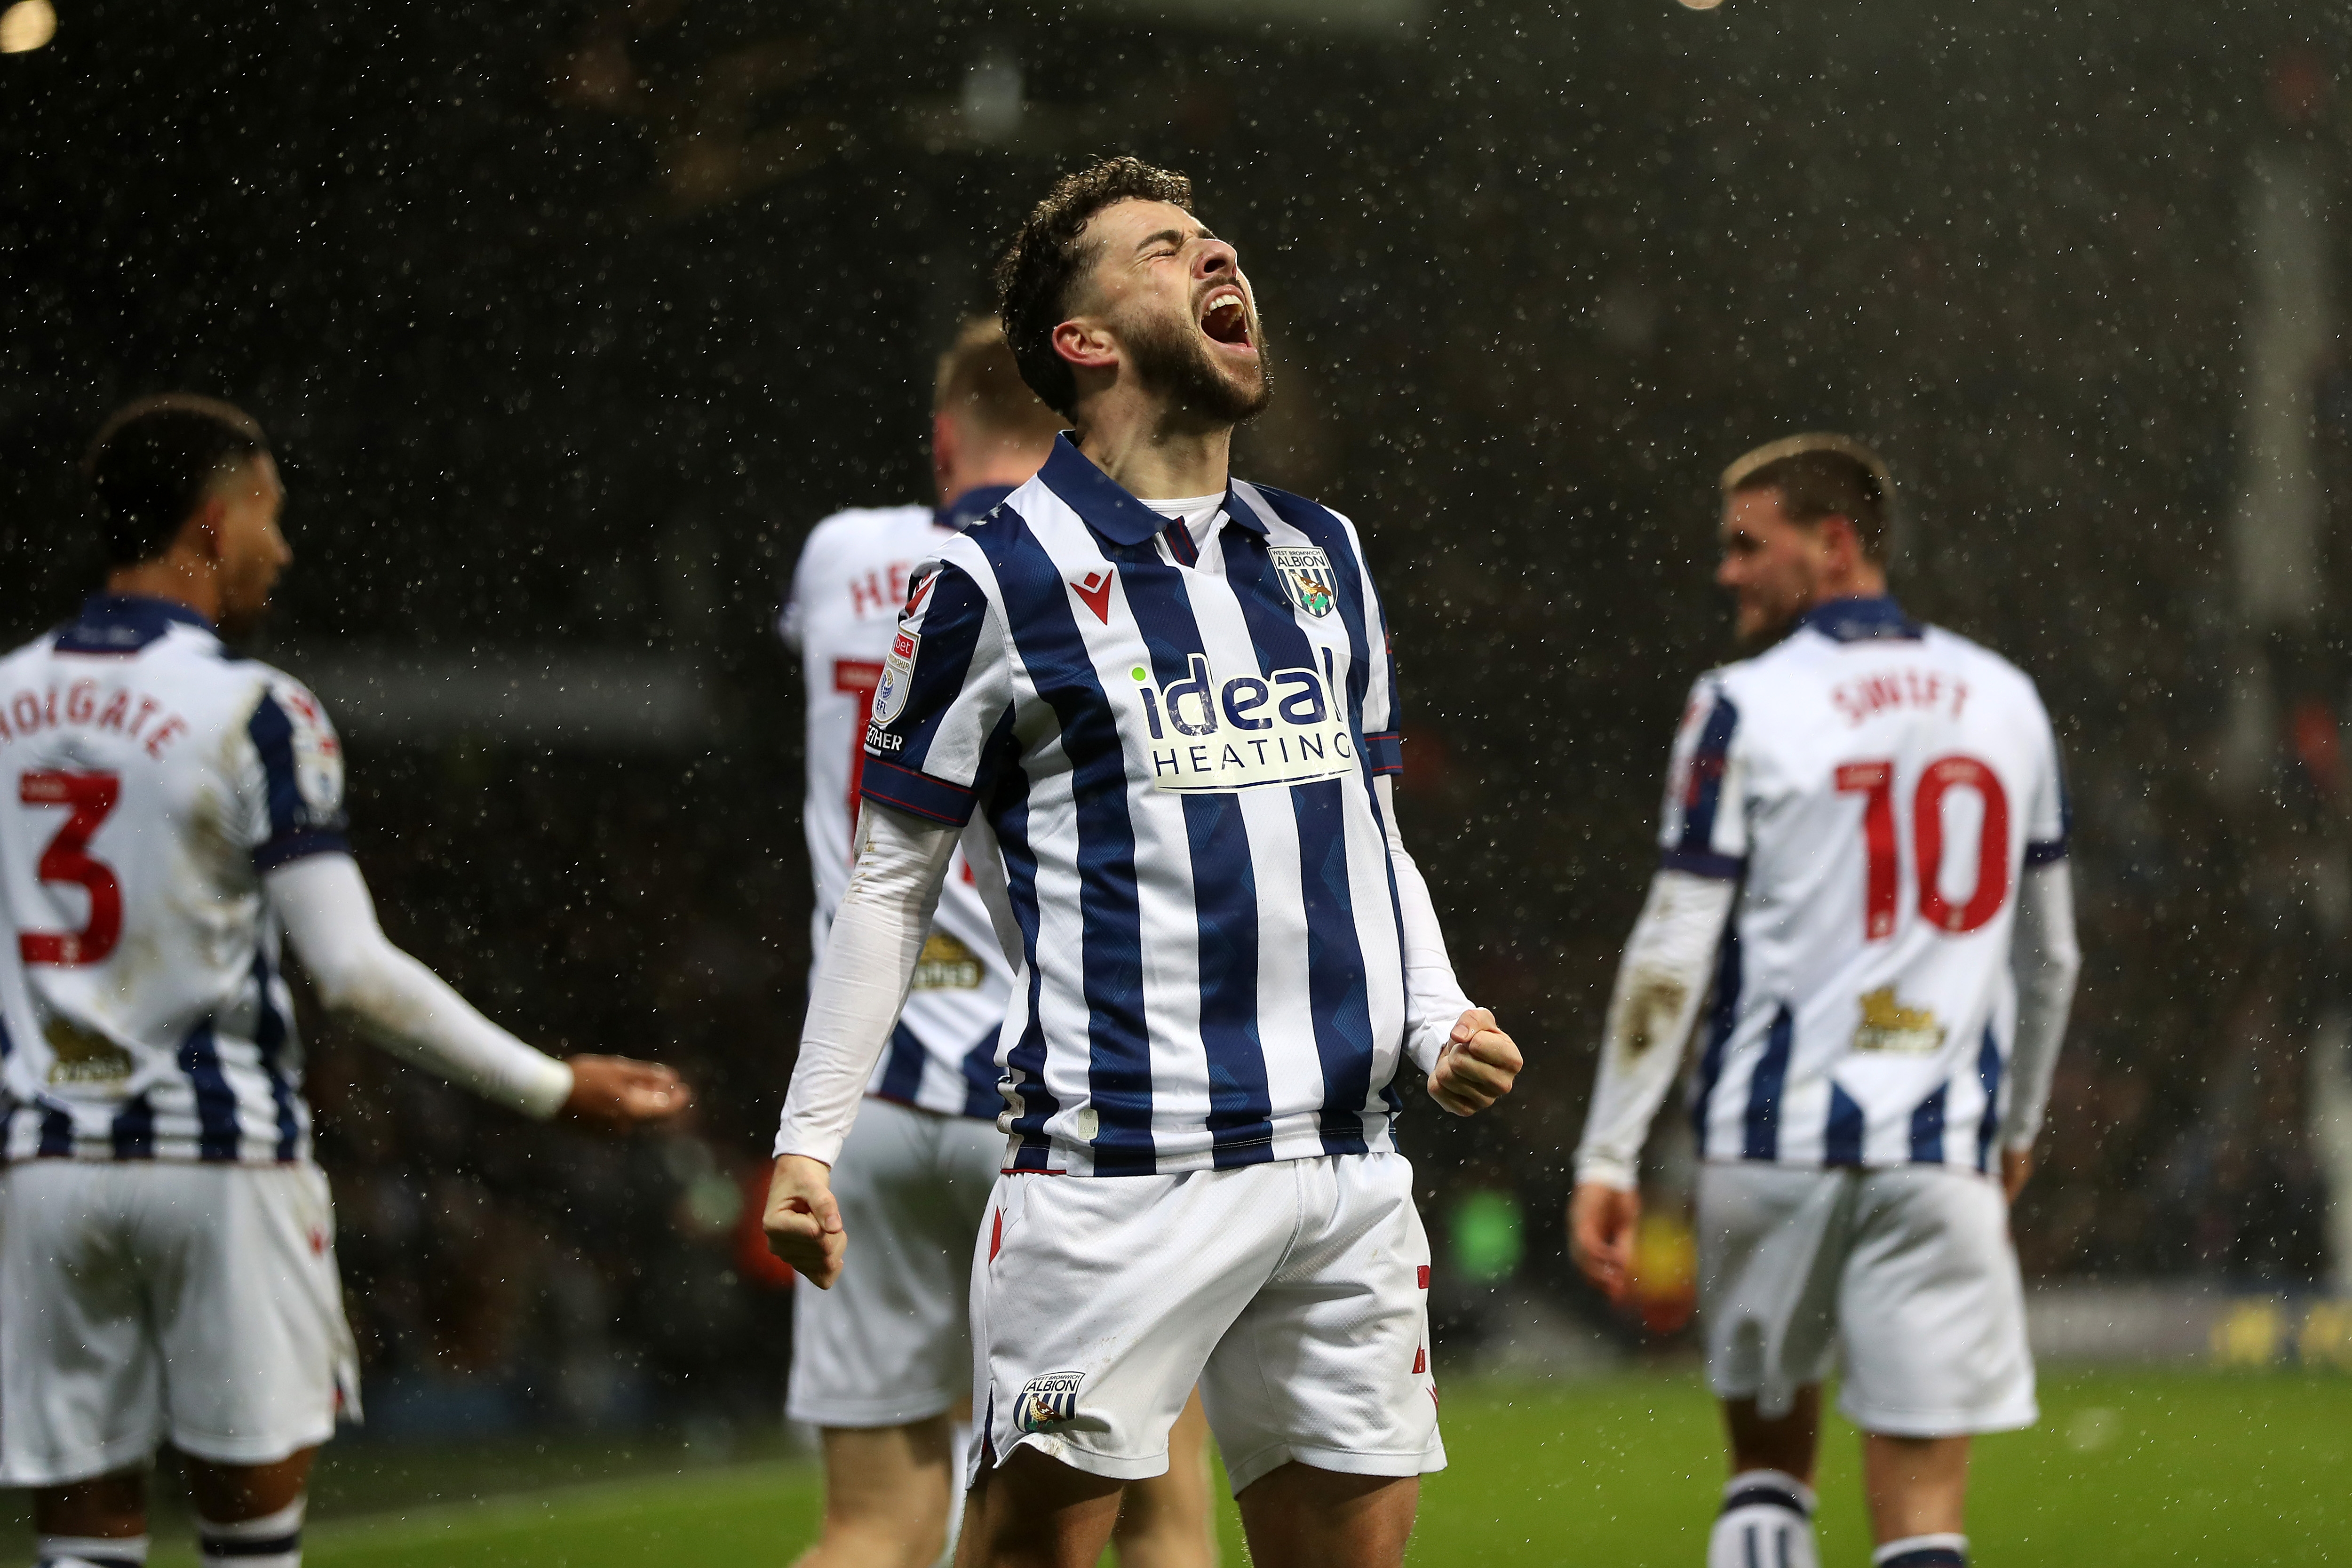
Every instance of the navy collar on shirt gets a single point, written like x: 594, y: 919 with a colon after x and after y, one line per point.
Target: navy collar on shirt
x: 124, y: 623
x: 970, y: 507
x: 1106, y: 506
x: 1879, y: 618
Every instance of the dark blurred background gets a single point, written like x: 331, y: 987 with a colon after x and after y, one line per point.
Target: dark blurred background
x: 570, y: 319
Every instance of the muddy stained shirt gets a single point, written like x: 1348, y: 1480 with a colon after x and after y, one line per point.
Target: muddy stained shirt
x: 1877, y: 787
x: 1175, y: 742
x: 841, y: 617
x: 148, y: 779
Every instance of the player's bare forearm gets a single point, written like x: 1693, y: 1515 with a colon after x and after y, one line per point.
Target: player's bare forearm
x: 1477, y: 1066
x: 1601, y: 1222
x: 803, y: 1221
x: 615, y: 1094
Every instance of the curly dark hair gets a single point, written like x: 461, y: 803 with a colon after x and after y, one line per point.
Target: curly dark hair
x: 1035, y: 273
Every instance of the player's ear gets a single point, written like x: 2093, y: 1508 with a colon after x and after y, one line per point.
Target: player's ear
x: 947, y: 444
x: 204, y: 533
x: 1085, y: 343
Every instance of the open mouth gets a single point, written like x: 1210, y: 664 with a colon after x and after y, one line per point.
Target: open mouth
x: 1225, y: 318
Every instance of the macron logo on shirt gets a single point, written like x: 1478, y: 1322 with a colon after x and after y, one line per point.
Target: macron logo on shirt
x: 1095, y: 592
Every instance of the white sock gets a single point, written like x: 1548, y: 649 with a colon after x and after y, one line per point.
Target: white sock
x: 958, y: 1446
x: 1767, y: 1523
x: 1923, y: 1551
x: 90, y: 1551
x: 273, y: 1540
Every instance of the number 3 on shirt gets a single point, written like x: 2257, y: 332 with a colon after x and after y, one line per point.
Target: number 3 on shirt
x: 1876, y: 783
x: 68, y: 860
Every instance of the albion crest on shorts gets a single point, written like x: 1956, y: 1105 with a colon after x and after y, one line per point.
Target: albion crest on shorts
x: 1049, y: 1402
x: 1305, y: 574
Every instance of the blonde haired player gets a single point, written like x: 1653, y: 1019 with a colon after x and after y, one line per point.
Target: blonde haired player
x: 166, y: 809
x: 1865, y: 848
x: 883, y: 1357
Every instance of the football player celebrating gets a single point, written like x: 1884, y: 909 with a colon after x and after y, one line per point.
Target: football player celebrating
x: 881, y: 1359
x: 1166, y: 693
x: 166, y: 1246
x: 1865, y: 842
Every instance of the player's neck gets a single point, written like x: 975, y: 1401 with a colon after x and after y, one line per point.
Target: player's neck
x: 1153, y: 453
x: 174, y: 577
x: 1861, y: 581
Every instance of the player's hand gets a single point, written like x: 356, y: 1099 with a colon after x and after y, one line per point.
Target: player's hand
x: 1601, y: 1221
x: 2016, y: 1169
x: 1476, y: 1067
x: 615, y: 1093
x: 803, y: 1221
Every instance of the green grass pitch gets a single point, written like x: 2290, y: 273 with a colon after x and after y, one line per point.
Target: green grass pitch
x: 2126, y: 1469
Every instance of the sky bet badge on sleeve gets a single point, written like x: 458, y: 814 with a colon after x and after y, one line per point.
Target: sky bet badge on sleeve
x: 1305, y: 574
x: 897, y: 675
x: 1048, y: 1402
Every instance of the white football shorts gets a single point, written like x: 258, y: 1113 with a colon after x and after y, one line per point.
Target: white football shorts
x: 150, y: 1299
x: 1294, y: 1293
x: 1901, y: 1279
x: 891, y: 1341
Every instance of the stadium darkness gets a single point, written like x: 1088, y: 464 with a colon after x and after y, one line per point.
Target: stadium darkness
x: 567, y: 321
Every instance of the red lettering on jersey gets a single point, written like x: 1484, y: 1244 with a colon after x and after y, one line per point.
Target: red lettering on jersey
x: 869, y: 594
x: 1096, y: 593
x: 903, y: 646
x: 170, y: 729
x: 1872, y: 695
x: 81, y: 702
x: 115, y: 710
x: 25, y: 709
x: 146, y: 705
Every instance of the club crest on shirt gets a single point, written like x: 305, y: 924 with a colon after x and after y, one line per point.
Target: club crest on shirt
x: 1888, y: 1026
x: 1305, y: 574
x: 897, y: 674
x: 1048, y: 1402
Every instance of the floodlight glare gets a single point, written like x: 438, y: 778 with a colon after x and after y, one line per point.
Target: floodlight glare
x: 26, y: 26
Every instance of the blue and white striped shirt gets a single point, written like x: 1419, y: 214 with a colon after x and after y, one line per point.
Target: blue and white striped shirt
x: 1175, y: 745
x: 148, y: 780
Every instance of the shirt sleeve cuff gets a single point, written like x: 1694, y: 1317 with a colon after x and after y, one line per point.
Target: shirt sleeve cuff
x: 1608, y: 1171
x: 792, y: 1139
x: 916, y: 794
x: 295, y: 846
x: 542, y: 1086
x: 1702, y: 863
x: 2048, y: 852
x: 1385, y: 753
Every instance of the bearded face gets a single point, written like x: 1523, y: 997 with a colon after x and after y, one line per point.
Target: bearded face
x: 1172, y: 356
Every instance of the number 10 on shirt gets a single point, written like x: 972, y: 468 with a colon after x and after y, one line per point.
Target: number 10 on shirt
x: 1875, y: 781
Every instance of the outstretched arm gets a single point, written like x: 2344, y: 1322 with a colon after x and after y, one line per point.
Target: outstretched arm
x: 323, y: 903
x: 1471, y: 1063
x: 861, y: 984
x: 1661, y: 981
x: 2047, y: 960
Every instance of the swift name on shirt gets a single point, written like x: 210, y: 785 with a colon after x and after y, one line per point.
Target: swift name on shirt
x: 1211, y: 736
x: 90, y: 705
x: 1868, y: 696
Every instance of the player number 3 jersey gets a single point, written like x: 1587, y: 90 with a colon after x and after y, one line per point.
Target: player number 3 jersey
x: 1878, y: 787
x: 148, y: 779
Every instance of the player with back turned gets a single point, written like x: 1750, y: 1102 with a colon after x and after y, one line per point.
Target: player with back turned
x: 1166, y: 694
x: 166, y: 809
x: 1864, y: 845
x: 882, y: 1360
